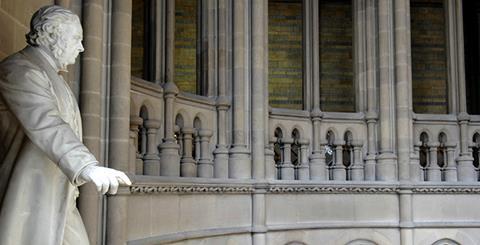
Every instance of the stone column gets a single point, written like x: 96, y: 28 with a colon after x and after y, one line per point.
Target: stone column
x: 259, y: 50
x: 433, y: 170
x: 169, y: 158
x: 170, y: 42
x: 416, y: 173
x: 317, y: 166
x: 303, y: 168
x: 135, y: 157
x: 357, y: 168
x: 196, y: 140
x: 451, y: 169
x: 205, y: 164
x: 188, y: 168
x: 151, y: 161
x: 339, y: 171
x: 270, y: 169
x: 91, y: 101
x: 239, y: 162
x: 221, y: 151
x: 406, y: 213
x: 372, y: 109
x: 286, y: 168
x: 387, y: 160
x: 116, y: 233
x: 403, y: 88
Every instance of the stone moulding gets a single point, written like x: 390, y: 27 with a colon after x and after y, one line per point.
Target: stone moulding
x: 277, y: 188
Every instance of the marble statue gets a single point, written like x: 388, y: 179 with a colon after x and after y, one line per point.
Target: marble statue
x: 42, y: 157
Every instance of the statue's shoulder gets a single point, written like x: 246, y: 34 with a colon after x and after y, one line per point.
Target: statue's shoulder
x: 19, y: 61
x: 21, y: 67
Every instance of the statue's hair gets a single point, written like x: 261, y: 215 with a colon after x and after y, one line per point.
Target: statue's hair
x: 45, y: 25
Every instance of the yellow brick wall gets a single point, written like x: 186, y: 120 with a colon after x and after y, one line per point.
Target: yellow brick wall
x: 15, y: 21
x: 429, y: 57
x: 285, y: 54
x: 186, y: 45
x: 337, y: 90
x: 138, y: 29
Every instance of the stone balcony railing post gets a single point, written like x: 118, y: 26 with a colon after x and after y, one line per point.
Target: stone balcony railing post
x: 169, y: 158
x: 151, y: 161
x: 317, y: 159
x: 433, y: 170
x: 270, y: 169
x: 451, y: 168
x: 357, y: 168
x: 286, y: 168
x: 221, y: 152
x: 205, y: 164
x: 303, y: 168
x: 465, y: 169
x: 188, y: 168
x: 135, y: 159
x: 339, y: 171
x: 415, y: 169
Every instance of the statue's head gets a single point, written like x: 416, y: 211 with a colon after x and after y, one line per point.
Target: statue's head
x: 58, y: 30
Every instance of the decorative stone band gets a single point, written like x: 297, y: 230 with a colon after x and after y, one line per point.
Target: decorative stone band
x: 326, y: 189
x: 447, y: 190
x: 281, y: 188
x: 147, y: 189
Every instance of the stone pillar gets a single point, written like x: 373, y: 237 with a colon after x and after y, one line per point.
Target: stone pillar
x: 339, y: 171
x: 188, y: 168
x: 151, y: 161
x: 116, y: 233
x: 286, y: 168
x: 465, y: 169
x: 90, y: 202
x: 406, y: 214
x: 239, y: 162
x: 387, y: 160
x: 451, y: 169
x: 221, y: 151
x: 169, y: 158
x: 303, y: 168
x: 205, y: 164
x: 196, y: 140
x: 416, y: 173
x: 270, y: 169
x: 433, y: 170
x: 317, y: 165
x: 372, y: 79
x: 259, y: 50
x: 170, y: 42
x: 357, y: 168
x: 135, y: 157
x: 403, y: 88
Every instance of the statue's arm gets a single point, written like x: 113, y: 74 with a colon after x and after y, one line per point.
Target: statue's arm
x: 29, y: 97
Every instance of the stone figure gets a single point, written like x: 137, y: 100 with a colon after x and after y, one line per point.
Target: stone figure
x: 42, y: 157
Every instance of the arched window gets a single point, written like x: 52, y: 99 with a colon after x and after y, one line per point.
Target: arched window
x: 295, y: 152
x: 278, y: 152
x: 429, y: 56
x: 330, y: 152
x: 348, y: 153
x: 424, y: 158
x: 442, y: 153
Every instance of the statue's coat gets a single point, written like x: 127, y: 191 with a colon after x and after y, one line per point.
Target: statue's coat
x: 41, y: 154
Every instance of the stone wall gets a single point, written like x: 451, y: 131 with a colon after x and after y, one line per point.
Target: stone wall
x: 15, y: 20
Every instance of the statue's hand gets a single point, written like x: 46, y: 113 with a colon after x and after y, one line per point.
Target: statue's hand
x: 106, y: 179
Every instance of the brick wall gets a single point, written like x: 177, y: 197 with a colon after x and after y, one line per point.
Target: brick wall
x: 429, y: 67
x: 337, y: 90
x: 186, y: 45
x: 285, y: 54
x: 15, y: 21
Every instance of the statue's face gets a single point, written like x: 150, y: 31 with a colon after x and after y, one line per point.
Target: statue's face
x: 72, y: 37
